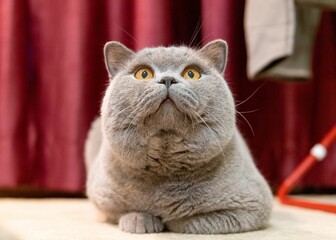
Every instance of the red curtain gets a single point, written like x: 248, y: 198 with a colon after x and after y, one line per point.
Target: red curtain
x: 52, y: 78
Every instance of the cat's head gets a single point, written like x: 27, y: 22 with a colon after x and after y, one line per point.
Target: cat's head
x: 177, y: 89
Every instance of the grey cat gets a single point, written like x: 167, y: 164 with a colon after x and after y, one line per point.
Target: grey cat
x: 166, y: 152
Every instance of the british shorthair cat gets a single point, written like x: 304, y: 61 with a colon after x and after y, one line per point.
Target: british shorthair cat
x: 166, y: 152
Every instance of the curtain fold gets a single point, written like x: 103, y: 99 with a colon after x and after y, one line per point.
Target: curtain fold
x: 67, y: 41
x: 152, y: 25
x: 52, y: 79
x: 13, y: 93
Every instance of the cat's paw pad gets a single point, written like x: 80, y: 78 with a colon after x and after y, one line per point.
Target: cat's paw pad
x: 140, y: 223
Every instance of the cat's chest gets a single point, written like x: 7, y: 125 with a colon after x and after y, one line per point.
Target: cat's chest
x: 166, y: 145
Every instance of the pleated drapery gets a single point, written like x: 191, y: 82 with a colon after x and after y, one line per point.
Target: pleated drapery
x: 52, y: 78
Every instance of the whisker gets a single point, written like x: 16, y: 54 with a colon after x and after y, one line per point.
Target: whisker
x: 212, y: 117
x: 128, y: 34
x: 251, y: 111
x: 211, y: 130
x: 195, y: 117
x: 204, y: 40
x: 196, y: 31
x: 142, y: 106
x: 246, y: 122
x: 255, y: 91
x: 198, y: 28
x: 193, y: 36
x: 120, y: 112
x: 131, y: 117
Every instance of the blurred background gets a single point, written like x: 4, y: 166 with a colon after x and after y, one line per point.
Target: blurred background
x: 52, y: 79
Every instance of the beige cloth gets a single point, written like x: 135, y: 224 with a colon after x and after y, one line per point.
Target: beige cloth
x: 269, y: 33
x: 279, y: 37
x: 324, y: 4
x: 76, y: 219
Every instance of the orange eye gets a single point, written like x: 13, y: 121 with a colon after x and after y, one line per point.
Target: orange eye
x: 191, y: 73
x: 144, y: 73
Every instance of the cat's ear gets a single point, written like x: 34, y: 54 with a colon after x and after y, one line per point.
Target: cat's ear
x: 116, y: 55
x: 216, y: 53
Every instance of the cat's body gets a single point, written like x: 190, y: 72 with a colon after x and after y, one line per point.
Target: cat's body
x: 167, y: 152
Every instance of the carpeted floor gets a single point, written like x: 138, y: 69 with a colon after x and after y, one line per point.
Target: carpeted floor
x: 76, y: 219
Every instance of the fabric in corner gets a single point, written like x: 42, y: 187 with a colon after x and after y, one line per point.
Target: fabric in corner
x: 279, y: 37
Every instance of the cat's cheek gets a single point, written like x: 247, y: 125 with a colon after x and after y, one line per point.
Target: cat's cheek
x: 185, y: 99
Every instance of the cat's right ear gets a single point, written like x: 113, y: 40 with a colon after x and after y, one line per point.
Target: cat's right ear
x: 216, y: 53
x: 116, y: 55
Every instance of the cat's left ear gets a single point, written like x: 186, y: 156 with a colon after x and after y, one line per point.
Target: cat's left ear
x: 116, y: 55
x: 216, y: 53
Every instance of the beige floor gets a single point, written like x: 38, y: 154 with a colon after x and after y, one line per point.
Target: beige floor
x: 76, y: 219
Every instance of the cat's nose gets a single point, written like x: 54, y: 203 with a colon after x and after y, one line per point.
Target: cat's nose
x: 167, y: 81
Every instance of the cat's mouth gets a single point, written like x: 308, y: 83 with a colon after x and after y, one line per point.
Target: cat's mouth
x: 167, y: 101
x: 167, y: 106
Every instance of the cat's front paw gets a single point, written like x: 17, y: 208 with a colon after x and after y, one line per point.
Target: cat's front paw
x: 136, y: 222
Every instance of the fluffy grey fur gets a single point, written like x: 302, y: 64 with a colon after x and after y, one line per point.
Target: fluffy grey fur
x: 171, y: 156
